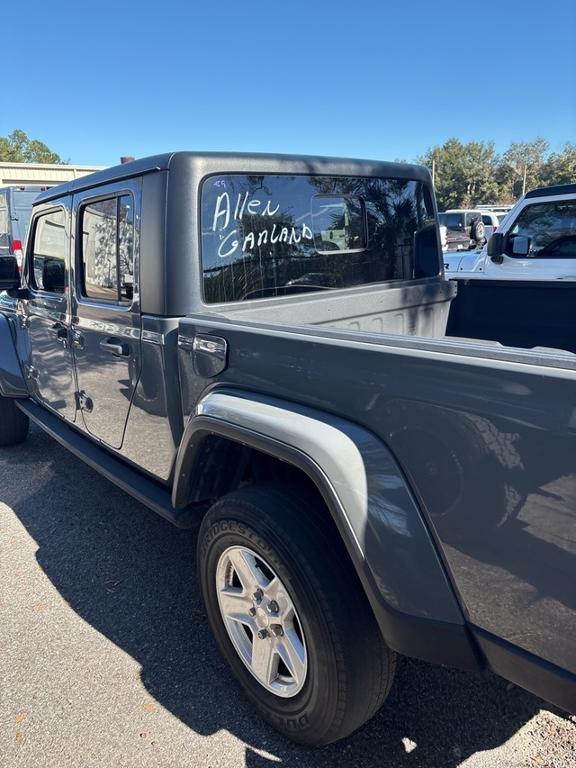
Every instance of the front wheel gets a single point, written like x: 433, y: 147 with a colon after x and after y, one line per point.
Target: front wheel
x: 289, y: 615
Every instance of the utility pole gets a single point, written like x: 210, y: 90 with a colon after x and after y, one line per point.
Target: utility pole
x: 524, y: 179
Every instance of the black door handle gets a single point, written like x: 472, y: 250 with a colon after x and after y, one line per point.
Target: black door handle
x: 115, y: 347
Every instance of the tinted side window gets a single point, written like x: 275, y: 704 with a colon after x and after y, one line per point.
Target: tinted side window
x: 107, y: 256
x: 49, y: 252
x: 279, y: 235
x: 551, y: 228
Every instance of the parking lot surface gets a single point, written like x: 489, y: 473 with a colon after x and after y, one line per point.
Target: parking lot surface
x: 107, y: 661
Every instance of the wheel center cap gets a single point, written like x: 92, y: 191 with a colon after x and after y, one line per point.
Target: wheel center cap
x: 262, y: 619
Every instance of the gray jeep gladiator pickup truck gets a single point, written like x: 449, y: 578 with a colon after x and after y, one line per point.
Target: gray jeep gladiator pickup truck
x: 258, y: 344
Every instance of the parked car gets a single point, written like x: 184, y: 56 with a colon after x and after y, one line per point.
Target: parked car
x: 465, y: 228
x: 364, y: 485
x: 499, y: 210
x: 15, y: 210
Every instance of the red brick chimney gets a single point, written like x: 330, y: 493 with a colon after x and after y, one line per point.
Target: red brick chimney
x: 126, y: 159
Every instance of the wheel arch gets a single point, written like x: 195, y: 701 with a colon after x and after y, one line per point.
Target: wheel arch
x: 368, y: 499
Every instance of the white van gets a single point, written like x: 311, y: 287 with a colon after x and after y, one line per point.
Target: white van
x: 15, y: 211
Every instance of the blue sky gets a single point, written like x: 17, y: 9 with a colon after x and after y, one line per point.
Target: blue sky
x: 96, y: 80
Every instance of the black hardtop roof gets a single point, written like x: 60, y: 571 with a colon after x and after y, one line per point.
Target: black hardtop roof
x: 203, y: 163
x: 559, y: 189
x: 115, y: 173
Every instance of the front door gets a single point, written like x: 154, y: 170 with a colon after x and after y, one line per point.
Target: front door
x: 46, y: 313
x: 106, y: 317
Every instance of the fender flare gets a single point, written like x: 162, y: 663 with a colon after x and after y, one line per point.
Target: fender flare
x: 12, y: 382
x: 370, y: 502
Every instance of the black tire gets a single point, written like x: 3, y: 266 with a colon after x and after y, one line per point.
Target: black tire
x: 14, y: 424
x: 477, y: 231
x: 350, y: 669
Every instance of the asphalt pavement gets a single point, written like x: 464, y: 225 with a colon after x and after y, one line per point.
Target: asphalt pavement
x: 106, y: 660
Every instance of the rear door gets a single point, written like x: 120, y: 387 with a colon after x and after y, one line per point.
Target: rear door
x: 106, y: 314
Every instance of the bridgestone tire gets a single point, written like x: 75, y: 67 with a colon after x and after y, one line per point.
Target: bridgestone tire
x: 350, y: 669
x: 14, y: 424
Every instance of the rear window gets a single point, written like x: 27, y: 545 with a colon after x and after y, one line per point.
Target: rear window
x: 278, y: 235
x: 452, y: 220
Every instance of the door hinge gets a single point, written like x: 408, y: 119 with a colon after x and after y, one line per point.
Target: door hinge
x: 83, y: 402
x: 31, y: 372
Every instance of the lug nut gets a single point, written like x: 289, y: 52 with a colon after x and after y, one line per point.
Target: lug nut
x: 273, y: 606
x: 262, y: 633
x: 276, y: 630
x: 252, y: 611
x: 258, y: 595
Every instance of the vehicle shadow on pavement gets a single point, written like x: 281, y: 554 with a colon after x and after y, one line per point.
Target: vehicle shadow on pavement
x: 131, y: 576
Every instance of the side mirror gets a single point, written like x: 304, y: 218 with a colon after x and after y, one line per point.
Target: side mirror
x: 496, y: 247
x: 521, y: 245
x: 9, y: 275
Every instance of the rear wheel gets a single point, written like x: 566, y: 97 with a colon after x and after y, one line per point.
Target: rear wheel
x: 289, y: 615
x: 14, y: 424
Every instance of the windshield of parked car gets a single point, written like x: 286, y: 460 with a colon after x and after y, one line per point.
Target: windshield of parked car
x: 551, y: 228
x: 278, y: 235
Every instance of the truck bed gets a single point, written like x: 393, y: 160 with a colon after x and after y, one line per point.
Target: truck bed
x: 525, y: 315
x: 415, y: 308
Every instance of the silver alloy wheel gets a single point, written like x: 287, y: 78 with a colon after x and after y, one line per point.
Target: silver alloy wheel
x: 261, y: 621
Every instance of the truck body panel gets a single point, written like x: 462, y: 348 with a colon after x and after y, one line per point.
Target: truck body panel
x: 487, y: 445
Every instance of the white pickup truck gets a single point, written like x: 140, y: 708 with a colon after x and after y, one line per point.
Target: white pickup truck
x: 536, y: 241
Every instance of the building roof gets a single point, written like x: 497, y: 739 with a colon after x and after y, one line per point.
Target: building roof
x: 44, y: 174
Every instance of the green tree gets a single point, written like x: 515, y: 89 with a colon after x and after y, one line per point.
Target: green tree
x: 464, y: 174
x: 18, y: 148
x: 521, y: 168
x: 560, y: 168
